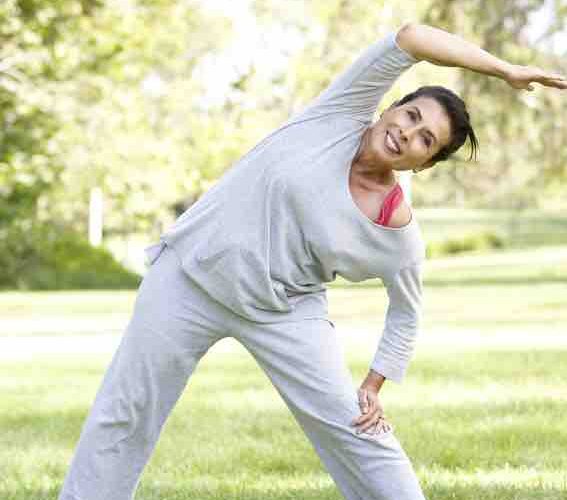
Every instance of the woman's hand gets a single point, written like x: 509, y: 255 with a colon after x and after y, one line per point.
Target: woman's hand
x: 522, y: 77
x: 372, y: 417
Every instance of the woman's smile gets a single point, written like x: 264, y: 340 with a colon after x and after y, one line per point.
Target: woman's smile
x: 391, y: 144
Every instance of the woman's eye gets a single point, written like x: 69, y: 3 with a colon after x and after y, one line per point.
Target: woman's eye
x: 411, y: 115
x: 427, y: 141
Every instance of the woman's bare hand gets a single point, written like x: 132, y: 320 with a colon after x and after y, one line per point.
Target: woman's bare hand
x: 523, y: 77
x: 372, y: 417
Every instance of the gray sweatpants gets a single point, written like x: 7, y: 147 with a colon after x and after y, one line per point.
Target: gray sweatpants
x: 173, y: 325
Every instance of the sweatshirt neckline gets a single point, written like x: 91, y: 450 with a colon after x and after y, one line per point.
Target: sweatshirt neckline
x: 360, y: 214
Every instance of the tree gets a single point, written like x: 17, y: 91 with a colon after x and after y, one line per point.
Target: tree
x: 520, y: 134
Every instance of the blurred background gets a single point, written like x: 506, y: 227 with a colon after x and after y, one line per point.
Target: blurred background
x: 118, y: 114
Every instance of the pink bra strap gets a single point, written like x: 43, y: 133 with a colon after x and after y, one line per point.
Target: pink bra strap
x: 391, y: 202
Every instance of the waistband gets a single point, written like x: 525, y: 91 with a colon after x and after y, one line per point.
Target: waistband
x: 303, y: 306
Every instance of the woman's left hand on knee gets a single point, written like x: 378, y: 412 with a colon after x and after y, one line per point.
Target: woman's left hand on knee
x: 372, y: 417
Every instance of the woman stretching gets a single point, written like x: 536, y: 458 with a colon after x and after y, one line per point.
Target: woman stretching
x: 315, y: 198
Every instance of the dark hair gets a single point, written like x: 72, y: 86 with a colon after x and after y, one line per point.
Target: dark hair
x: 459, y: 119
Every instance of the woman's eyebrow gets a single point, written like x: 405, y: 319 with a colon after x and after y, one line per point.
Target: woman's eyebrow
x: 421, y: 118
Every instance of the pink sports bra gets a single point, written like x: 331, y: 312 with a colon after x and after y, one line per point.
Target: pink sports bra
x: 391, y: 202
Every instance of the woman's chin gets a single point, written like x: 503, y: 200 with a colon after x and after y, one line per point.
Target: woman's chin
x: 401, y: 168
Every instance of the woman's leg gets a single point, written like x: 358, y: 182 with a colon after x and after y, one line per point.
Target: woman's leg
x: 167, y: 335
x: 306, y: 365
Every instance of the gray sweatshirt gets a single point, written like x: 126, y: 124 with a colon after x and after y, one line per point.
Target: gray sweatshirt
x: 281, y: 222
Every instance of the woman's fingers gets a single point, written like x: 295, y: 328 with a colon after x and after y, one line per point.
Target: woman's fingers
x: 369, y: 415
x: 376, y: 426
x: 372, y: 417
x: 368, y: 407
x: 385, y: 427
x: 554, y: 76
x: 365, y: 422
x: 363, y: 400
x: 380, y: 426
x: 368, y: 424
x: 559, y: 84
x: 553, y: 80
x: 523, y: 78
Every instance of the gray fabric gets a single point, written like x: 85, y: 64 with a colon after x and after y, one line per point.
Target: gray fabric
x: 281, y: 222
x: 174, y: 323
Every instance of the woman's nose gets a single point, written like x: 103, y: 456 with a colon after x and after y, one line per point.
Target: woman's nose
x: 407, y: 133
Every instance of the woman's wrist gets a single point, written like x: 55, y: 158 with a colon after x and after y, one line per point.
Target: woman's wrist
x: 373, y: 381
x: 503, y: 70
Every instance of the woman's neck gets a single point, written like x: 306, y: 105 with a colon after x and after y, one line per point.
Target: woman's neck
x: 372, y: 177
x: 364, y: 167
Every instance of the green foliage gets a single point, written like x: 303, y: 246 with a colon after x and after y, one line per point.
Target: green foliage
x: 35, y: 40
x: 132, y: 125
x: 474, y: 242
x: 46, y: 257
x: 79, y: 110
x: 521, y: 162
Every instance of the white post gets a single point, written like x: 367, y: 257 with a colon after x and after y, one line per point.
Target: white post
x: 95, y: 217
x: 405, y: 183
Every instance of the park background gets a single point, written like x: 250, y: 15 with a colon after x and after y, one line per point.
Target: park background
x: 118, y: 114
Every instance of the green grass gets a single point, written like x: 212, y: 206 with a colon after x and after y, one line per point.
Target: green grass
x: 477, y: 424
x: 520, y: 228
x: 481, y: 412
x: 523, y: 289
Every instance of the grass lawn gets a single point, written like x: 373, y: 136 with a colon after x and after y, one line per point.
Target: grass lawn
x: 520, y: 228
x: 481, y: 412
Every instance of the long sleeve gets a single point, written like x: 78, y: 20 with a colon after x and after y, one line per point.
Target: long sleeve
x: 357, y: 91
x: 403, y: 317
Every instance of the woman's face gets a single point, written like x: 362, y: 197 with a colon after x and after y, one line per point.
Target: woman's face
x: 406, y: 137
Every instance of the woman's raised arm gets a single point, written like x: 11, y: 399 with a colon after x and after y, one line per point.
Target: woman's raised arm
x: 439, y: 47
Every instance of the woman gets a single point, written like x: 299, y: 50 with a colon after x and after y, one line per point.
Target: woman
x: 251, y: 257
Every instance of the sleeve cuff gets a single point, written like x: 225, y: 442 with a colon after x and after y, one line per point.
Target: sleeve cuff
x: 393, y: 373
x: 403, y: 54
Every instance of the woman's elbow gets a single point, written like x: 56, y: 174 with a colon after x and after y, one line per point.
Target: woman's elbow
x: 407, y: 37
